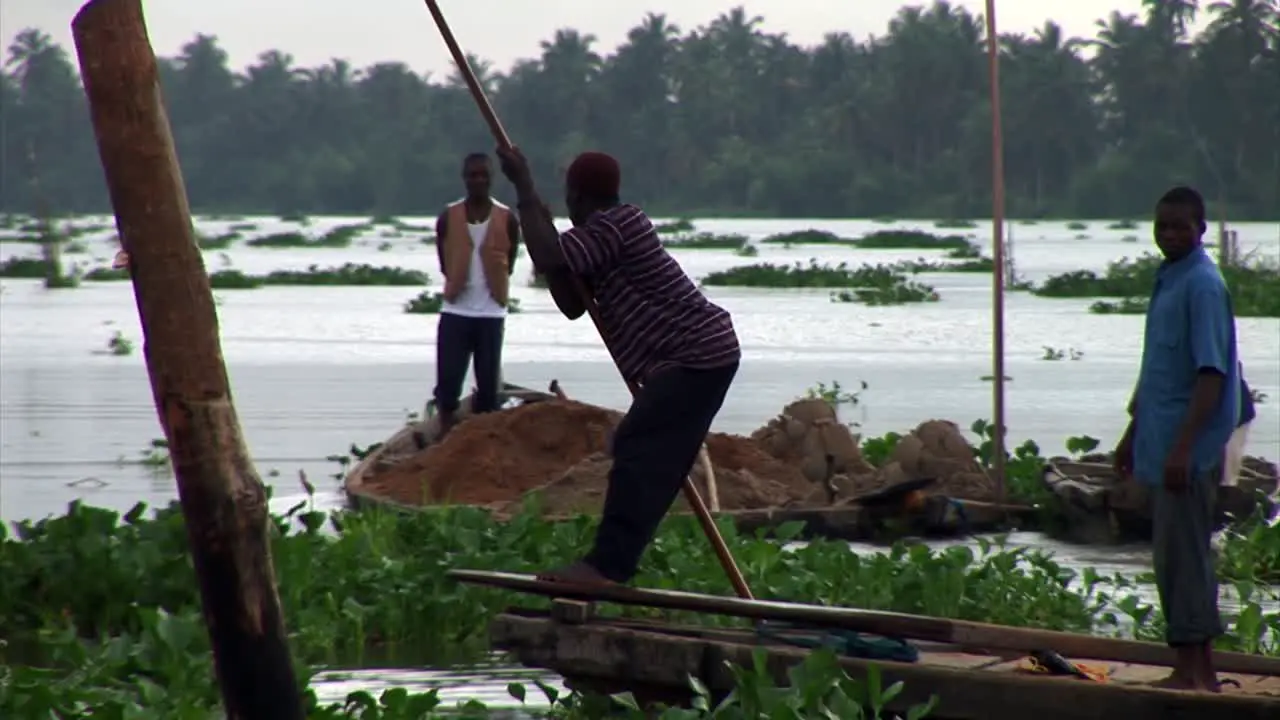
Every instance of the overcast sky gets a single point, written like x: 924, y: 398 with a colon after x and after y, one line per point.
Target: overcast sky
x: 369, y: 31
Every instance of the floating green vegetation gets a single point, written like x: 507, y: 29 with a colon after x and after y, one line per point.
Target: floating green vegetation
x: 338, y: 237
x: 1077, y: 225
x: 296, y: 218
x: 806, y: 237
x: 1123, y: 225
x: 907, y: 291
x: 681, y: 225
x: 705, y: 241
x: 348, y: 274
x: 431, y: 303
x: 1052, y: 353
x: 811, y: 275
x: 919, y: 265
x: 217, y: 242
x: 955, y: 224
x: 1124, y: 306
x: 119, y: 345
x: 913, y: 239
x: 233, y: 280
x: 106, y: 274
x: 20, y: 267
x: 243, y: 227
x: 39, y: 268
x: 747, y: 250
x: 155, y: 456
x: 425, y: 303
x: 1254, y: 286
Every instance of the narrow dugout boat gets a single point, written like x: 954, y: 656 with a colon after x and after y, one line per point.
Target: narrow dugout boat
x: 976, y: 671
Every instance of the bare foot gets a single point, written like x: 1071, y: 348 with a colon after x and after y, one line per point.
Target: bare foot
x: 579, y: 573
x: 1175, y: 681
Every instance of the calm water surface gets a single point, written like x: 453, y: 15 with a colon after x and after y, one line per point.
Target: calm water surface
x: 316, y: 369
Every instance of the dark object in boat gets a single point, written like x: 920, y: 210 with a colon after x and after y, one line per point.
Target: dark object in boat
x: 894, y: 495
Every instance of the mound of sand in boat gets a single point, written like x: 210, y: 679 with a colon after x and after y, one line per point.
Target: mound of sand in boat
x: 559, y: 449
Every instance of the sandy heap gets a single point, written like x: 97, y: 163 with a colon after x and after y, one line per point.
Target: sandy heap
x: 808, y: 434
x: 802, y: 457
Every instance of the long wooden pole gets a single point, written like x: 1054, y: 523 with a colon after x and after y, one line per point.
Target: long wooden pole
x: 968, y: 634
x: 998, y: 439
x: 222, y: 496
x: 691, y: 493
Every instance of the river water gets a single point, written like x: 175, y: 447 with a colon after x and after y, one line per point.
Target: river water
x: 317, y: 369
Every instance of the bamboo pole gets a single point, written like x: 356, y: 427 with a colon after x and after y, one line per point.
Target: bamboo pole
x: 691, y: 493
x: 998, y: 438
x: 222, y: 496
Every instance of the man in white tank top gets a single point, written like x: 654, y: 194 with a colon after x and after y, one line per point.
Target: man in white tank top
x: 477, y: 239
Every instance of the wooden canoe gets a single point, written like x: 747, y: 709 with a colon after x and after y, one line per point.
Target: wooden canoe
x: 853, y: 522
x: 654, y: 661
x: 918, y: 627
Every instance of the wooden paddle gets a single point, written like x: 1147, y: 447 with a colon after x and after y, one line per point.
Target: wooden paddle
x: 500, y: 135
x: 967, y: 634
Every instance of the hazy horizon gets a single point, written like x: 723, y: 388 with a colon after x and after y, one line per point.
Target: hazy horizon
x: 316, y: 31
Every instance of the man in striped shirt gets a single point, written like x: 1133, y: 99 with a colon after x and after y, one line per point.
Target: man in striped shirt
x: 667, y: 339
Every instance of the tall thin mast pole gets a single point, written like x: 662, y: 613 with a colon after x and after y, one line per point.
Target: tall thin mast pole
x: 997, y: 238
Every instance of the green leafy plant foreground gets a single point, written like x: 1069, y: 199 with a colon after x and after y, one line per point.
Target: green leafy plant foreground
x: 359, y: 589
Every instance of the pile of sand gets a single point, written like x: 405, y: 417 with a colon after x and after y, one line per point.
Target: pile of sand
x: 561, y: 446
x: 497, y: 457
x: 936, y: 449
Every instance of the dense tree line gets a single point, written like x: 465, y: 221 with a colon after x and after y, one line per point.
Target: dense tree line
x: 725, y: 118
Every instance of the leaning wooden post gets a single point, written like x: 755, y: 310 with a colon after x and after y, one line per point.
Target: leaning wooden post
x: 223, y: 499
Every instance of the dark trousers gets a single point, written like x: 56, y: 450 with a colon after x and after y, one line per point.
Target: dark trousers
x: 459, y: 339
x: 1182, y: 529
x: 654, y: 448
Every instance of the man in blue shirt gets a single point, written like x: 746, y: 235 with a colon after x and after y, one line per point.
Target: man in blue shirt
x: 1185, y: 407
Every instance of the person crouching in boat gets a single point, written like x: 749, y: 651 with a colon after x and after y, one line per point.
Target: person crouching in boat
x: 476, y: 239
x: 680, y: 349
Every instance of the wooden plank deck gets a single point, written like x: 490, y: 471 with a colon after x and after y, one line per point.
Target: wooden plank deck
x: 654, y: 660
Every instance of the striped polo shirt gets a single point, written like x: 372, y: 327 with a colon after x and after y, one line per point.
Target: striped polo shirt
x: 653, y: 315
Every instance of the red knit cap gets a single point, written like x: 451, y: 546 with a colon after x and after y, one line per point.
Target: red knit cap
x: 595, y: 174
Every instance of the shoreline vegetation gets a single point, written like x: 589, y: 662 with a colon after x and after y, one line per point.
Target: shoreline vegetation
x: 905, y: 102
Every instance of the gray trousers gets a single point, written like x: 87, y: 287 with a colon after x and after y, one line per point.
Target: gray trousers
x: 1182, y: 527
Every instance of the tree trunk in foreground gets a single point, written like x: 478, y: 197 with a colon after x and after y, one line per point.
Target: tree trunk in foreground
x: 222, y: 496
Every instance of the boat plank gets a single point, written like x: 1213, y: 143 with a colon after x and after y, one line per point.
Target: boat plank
x: 960, y: 660
x: 1266, y: 686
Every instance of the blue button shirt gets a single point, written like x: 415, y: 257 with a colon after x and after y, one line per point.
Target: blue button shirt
x: 1190, y: 327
